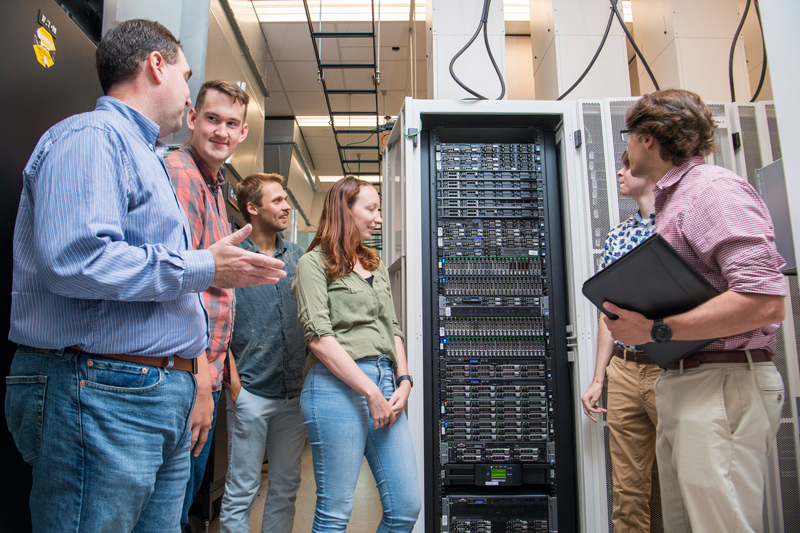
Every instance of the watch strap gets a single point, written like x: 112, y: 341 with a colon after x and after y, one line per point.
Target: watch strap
x: 405, y: 377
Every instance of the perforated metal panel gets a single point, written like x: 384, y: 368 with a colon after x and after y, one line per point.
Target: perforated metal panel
x: 788, y: 432
x: 618, y: 108
x: 750, y: 143
x: 774, y: 138
x: 787, y: 465
x: 596, y: 172
x: 794, y: 296
x: 723, y: 154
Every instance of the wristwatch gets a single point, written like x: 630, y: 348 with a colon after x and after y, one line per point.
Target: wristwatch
x: 660, y: 331
x: 404, y: 378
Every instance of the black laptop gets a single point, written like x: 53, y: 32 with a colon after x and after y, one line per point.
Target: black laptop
x: 654, y: 280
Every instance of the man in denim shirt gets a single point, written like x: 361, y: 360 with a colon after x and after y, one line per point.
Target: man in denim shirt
x: 269, y: 353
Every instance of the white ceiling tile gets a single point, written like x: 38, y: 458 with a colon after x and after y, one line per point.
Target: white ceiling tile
x: 308, y: 103
x: 277, y: 105
x: 297, y: 75
x: 289, y: 41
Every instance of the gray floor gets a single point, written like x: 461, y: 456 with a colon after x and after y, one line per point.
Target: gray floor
x: 366, y: 512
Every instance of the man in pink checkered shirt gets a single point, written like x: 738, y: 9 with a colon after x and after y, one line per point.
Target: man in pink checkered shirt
x: 719, y: 409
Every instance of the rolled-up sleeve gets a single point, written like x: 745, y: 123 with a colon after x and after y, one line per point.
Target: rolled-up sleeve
x: 310, y: 289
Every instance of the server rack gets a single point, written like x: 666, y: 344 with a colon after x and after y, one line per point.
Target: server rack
x: 499, y: 445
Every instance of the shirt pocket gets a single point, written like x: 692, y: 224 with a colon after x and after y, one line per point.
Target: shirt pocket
x: 348, y: 300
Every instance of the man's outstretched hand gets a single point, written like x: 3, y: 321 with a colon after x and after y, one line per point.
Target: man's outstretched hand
x: 235, y: 267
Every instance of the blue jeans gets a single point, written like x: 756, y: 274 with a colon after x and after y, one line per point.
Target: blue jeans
x: 108, y: 440
x: 198, y: 466
x: 255, y: 424
x: 340, y: 429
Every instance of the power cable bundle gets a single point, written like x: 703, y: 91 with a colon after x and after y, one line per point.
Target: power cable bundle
x: 614, y: 13
x: 763, y: 48
x: 482, y: 24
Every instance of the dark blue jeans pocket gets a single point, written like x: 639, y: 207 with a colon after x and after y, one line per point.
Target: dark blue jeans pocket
x: 25, y: 412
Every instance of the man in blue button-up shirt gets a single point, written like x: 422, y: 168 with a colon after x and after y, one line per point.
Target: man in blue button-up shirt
x: 105, y: 302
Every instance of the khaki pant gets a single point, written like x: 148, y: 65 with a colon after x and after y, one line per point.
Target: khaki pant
x: 717, y: 424
x: 632, y: 423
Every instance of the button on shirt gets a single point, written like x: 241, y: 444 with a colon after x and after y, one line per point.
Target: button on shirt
x: 624, y: 238
x: 267, y: 342
x: 720, y: 225
x: 199, y: 193
x: 102, y: 252
x: 359, y: 316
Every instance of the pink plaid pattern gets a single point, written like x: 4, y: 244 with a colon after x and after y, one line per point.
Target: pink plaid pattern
x: 720, y: 225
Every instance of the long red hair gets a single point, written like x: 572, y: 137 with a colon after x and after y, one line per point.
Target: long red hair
x: 337, y: 235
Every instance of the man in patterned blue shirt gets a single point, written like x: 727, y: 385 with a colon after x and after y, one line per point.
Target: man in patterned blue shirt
x: 631, y: 413
x: 106, y: 303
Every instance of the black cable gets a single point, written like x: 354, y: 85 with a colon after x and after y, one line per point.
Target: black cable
x: 763, y: 56
x: 633, y: 44
x: 596, y: 55
x: 733, y: 49
x: 489, y: 51
x: 482, y: 24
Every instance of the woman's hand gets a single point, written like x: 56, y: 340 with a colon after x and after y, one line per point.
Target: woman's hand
x: 380, y: 410
x: 399, y: 399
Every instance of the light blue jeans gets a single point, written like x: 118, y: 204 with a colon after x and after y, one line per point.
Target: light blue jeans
x: 256, y: 424
x: 340, y: 429
x: 108, y: 440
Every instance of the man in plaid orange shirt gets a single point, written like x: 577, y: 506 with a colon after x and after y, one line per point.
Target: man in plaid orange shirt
x: 217, y: 125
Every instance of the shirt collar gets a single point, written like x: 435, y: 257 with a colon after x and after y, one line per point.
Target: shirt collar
x: 675, y: 174
x: 213, y: 182
x: 280, y: 245
x: 148, y: 129
x: 637, y: 216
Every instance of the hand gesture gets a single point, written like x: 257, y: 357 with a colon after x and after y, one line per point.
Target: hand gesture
x: 235, y: 267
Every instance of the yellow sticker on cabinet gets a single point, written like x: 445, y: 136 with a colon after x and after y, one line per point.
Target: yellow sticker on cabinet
x: 44, y: 47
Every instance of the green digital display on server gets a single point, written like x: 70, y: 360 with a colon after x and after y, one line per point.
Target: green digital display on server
x: 498, y: 473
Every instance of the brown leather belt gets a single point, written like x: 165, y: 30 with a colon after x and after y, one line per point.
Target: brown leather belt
x: 631, y: 355
x: 178, y: 363
x: 730, y: 356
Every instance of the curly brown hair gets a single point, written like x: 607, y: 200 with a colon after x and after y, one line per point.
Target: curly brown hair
x: 678, y: 120
x: 337, y: 235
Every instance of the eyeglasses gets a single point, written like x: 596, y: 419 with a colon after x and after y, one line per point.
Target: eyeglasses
x: 625, y: 135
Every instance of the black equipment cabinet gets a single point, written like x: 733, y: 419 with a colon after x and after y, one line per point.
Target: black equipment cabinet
x: 499, y: 438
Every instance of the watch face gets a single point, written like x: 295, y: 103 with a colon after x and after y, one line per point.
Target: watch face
x: 660, y: 334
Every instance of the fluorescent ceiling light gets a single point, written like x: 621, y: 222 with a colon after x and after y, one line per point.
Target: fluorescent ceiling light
x: 344, y: 121
x: 332, y: 179
x: 516, y: 10
x: 337, y: 10
x: 361, y: 10
x: 627, y: 12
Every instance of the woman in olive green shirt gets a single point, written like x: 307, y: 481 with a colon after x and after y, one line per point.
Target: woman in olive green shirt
x: 352, y: 403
